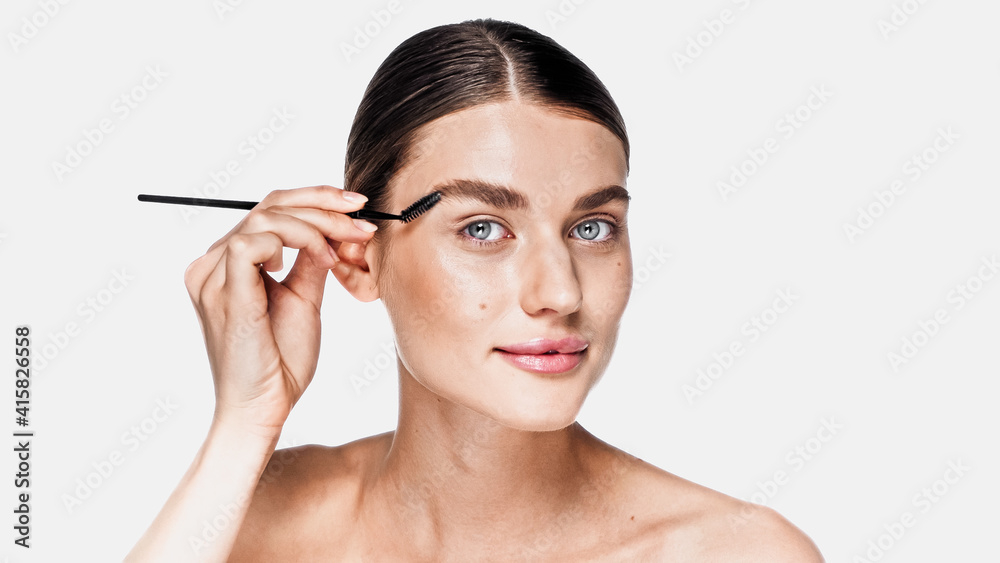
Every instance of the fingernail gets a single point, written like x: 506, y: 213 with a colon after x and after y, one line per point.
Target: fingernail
x: 365, y: 225
x: 354, y: 197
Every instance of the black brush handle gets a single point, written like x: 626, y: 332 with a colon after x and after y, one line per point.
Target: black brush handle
x: 234, y: 204
x: 366, y: 214
x: 203, y: 202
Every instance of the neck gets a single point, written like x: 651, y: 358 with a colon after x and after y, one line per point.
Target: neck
x: 460, y: 476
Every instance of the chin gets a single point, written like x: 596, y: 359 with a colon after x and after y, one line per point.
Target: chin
x: 538, y: 403
x: 535, y: 414
x: 546, y: 425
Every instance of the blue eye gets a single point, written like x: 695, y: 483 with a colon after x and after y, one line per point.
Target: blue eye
x: 592, y: 230
x: 485, y: 231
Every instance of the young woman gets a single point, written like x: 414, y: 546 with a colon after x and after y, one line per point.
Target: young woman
x: 505, y: 300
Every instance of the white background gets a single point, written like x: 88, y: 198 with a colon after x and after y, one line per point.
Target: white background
x: 63, y: 238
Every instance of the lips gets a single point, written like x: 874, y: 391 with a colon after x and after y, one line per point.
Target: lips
x: 543, y: 355
x: 568, y: 345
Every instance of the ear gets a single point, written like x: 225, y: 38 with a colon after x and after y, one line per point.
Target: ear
x: 356, y: 269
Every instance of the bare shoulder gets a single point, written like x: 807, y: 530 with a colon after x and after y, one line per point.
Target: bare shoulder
x: 304, y: 492
x: 740, y: 531
x: 673, y: 519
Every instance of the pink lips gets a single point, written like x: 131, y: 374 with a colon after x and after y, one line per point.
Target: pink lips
x: 543, y: 355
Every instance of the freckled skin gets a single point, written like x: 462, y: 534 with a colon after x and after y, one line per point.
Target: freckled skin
x: 487, y: 462
x: 539, y: 283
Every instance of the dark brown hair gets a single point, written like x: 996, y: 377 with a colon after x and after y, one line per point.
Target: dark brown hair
x: 453, y: 67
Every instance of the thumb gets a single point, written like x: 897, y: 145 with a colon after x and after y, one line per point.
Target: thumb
x: 307, y: 279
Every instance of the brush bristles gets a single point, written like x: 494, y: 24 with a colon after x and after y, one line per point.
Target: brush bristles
x: 420, y: 207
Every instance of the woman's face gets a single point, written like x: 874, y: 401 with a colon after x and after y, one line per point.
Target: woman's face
x: 506, y: 296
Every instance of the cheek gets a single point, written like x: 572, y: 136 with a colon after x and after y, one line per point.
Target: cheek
x: 606, y: 284
x: 625, y: 272
x: 446, y: 298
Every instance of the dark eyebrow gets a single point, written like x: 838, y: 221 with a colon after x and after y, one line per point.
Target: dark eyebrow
x: 600, y: 197
x: 494, y: 195
x: 503, y: 197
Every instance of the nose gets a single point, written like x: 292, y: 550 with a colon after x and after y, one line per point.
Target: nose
x: 549, y: 281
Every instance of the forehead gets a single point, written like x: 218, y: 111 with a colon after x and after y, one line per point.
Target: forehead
x: 526, y: 146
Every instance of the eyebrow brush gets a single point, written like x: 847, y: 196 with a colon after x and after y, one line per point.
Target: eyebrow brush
x: 410, y: 213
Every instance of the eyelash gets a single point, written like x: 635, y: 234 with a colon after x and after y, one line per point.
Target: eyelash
x: 612, y: 237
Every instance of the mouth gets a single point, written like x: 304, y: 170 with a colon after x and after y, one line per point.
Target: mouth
x: 543, y: 355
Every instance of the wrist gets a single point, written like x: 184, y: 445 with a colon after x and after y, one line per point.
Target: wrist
x: 240, y: 439
x: 244, y: 425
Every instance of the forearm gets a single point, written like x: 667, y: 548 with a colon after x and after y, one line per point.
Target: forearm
x: 201, y: 519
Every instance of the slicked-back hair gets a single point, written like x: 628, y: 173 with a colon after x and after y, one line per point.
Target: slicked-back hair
x: 453, y: 67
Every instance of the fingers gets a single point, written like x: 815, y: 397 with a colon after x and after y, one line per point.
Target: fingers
x: 289, y: 231
x: 319, y: 197
x: 307, y: 280
x: 328, y: 199
x: 310, y: 220
x: 330, y: 224
x: 243, y: 253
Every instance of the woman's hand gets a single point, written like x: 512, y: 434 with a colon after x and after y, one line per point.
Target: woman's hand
x: 263, y: 343
x: 263, y: 336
